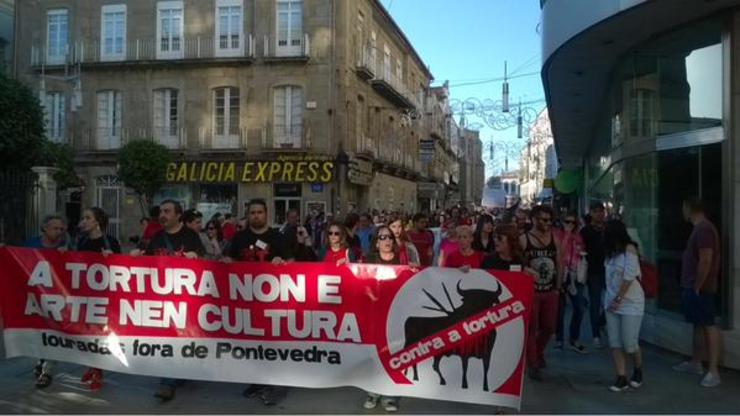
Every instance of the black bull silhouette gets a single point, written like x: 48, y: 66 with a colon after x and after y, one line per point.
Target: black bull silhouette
x: 474, y: 301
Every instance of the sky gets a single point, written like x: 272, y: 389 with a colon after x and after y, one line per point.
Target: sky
x: 467, y: 41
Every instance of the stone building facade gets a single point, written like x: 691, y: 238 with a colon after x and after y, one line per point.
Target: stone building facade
x: 309, y: 104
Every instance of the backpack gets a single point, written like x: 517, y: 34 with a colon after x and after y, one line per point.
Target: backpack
x: 649, y: 278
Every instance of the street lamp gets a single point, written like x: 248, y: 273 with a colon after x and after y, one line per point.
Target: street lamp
x: 505, y: 91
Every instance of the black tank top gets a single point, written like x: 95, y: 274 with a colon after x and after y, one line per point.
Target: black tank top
x: 544, y: 262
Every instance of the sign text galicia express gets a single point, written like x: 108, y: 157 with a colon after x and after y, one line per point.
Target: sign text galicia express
x: 317, y: 171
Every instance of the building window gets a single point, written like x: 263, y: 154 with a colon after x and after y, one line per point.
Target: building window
x: 109, y: 120
x: 399, y: 72
x: 113, y: 33
x: 373, y: 49
x: 386, y: 63
x: 226, y: 117
x: 288, y: 116
x: 170, y: 30
x: 289, y: 27
x: 229, y: 28
x: 166, y: 129
x: 108, y: 197
x: 359, y: 119
x: 57, y: 36
x: 54, y: 116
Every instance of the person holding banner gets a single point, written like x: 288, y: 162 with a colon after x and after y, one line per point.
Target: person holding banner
x: 174, y: 240
x: 94, y: 239
x: 465, y: 257
x: 542, y: 252
x: 52, y: 237
x: 335, y: 249
x: 260, y: 243
x: 508, y: 255
x: 385, y: 251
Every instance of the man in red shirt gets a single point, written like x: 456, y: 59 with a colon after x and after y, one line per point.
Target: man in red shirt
x: 423, y: 239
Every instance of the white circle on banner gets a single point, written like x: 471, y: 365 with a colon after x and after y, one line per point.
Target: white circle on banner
x: 411, y: 301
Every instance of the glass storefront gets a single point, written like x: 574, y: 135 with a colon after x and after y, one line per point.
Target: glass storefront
x: 646, y: 156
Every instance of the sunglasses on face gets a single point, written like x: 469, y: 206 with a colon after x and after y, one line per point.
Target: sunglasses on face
x: 335, y: 233
x: 569, y: 222
x: 546, y: 220
x: 211, y: 229
x: 384, y: 237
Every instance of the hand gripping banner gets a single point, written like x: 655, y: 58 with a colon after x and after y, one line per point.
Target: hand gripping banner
x: 436, y: 333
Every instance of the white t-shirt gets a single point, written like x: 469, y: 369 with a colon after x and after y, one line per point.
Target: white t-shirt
x: 619, y: 269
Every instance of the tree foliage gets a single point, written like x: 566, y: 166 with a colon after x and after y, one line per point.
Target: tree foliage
x: 21, y: 125
x: 142, y: 166
x: 60, y: 156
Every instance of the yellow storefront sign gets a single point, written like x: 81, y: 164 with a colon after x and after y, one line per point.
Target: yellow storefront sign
x: 315, y: 171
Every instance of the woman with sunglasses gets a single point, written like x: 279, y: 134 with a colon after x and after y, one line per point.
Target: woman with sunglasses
x: 214, y: 241
x: 508, y: 254
x: 385, y: 250
x: 571, y: 255
x: 483, y: 236
x: 335, y: 249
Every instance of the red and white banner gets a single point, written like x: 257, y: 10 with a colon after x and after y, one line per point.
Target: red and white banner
x: 437, y: 333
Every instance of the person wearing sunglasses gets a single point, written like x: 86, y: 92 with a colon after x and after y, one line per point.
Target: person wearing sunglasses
x: 335, y: 249
x: 507, y: 255
x: 572, y: 254
x: 542, y: 254
x: 214, y: 242
x: 385, y: 250
x: 483, y: 236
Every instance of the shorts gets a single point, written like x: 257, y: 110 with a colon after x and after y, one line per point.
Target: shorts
x: 624, y: 331
x: 699, y: 310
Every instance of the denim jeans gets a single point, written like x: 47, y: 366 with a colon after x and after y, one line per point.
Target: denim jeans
x: 578, y: 303
x: 596, y: 286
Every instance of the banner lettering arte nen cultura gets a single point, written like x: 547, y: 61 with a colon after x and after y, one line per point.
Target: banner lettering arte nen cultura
x: 435, y: 333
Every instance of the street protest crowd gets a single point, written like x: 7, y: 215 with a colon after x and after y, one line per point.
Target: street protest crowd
x: 589, y: 262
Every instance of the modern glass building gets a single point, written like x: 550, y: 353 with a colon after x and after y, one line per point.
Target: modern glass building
x: 644, y: 99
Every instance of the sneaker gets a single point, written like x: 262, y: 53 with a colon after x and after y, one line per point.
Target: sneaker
x: 535, y: 374
x: 620, y: 384
x: 254, y: 390
x: 559, y: 345
x: 636, y: 380
x: 38, y: 368
x: 390, y: 404
x: 598, y: 344
x: 689, y: 367
x: 272, y: 395
x: 578, y: 347
x: 43, y: 381
x: 371, y: 402
x: 711, y: 380
x: 165, y: 393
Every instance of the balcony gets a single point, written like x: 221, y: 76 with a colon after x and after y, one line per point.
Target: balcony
x: 222, y: 141
x: 298, y: 140
x: 365, y: 66
x: 392, y: 88
x: 278, y: 50
x: 111, y: 139
x: 366, y: 148
x: 150, y: 51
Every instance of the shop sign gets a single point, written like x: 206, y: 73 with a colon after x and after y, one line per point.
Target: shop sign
x: 317, y: 187
x: 548, y: 183
x: 258, y: 171
x: 287, y: 190
x: 360, y: 172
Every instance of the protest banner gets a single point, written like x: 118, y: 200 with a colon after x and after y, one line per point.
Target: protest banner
x: 435, y: 333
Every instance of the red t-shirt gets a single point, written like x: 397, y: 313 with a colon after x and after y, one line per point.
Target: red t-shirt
x: 456, y: 259
x: 228, y: 230
x: 334, y: 256
x: 152, y: 228
x: 424, y: 243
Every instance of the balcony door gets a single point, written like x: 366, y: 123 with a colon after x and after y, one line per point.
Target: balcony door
x: 289, y: 28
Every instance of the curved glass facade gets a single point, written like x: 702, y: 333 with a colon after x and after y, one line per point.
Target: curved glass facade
x: 647, y: 154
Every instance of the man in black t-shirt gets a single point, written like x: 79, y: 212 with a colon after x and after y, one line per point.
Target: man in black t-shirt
x: 260, y: 243
x: 175, y: 239
x: 593, y: 240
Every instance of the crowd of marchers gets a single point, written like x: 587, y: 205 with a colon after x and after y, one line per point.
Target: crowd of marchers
x: 589, y: 262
